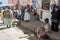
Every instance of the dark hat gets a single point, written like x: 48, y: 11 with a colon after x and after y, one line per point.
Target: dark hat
x: 46, y: 19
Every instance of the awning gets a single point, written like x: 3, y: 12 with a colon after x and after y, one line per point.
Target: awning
x: 4, y: 5
x: 0, y: 2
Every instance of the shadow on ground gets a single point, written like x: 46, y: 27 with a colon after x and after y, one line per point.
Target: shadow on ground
x: 4, y: 28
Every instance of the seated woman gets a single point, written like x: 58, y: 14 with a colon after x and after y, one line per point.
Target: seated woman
x: 42, y: 34
x: 47, y: 25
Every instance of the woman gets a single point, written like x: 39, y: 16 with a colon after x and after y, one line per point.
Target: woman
x: 36, y: 14
x: 27, y: 15
x: 42, y: 34
x: 54, y: 19
x: 22, y: 13
x: 47, y: 25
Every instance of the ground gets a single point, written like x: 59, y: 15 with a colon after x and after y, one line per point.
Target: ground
x: 19, y: 33
x: 12, y: 33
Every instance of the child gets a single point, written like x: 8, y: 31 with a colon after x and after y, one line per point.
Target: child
x: 41, y: 33
x: 47, y: 25
x: 7, y: 18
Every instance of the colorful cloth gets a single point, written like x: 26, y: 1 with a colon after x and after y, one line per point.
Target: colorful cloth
x: 7, y: 21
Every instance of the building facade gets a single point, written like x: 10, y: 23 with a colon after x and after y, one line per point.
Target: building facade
x: 4, y: 1
x: 22, y: 2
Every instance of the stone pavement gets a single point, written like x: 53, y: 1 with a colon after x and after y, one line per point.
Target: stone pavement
x: 12, y: 33
x: 32, y: 26
x: 55, y: 35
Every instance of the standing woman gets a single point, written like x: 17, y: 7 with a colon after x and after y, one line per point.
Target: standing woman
x: 27, y: 14
x: 7, y: 18
x: 54, y: 19
x: 36, y: 14
x: 22, y: 13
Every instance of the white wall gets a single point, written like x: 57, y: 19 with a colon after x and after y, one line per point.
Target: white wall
x: 4, y: 1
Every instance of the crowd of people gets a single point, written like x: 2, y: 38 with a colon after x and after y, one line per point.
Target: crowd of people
x: 25, y: 15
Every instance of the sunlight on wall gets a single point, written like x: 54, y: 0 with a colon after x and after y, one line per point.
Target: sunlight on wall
x: 4, y: 1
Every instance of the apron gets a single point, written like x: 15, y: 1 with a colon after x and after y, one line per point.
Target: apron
x: 27, y: 16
